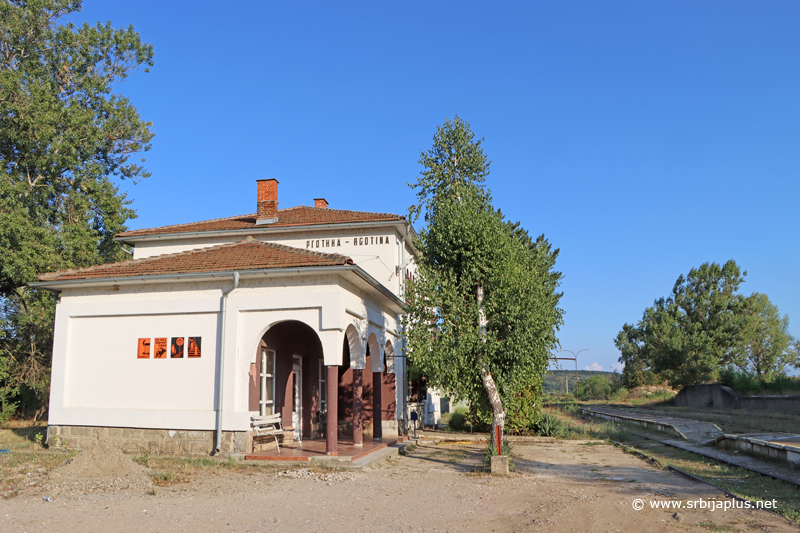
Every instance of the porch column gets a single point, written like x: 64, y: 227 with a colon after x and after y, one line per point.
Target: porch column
x: 332, y: 432
x: 377, y: 416
x: 358, y: 408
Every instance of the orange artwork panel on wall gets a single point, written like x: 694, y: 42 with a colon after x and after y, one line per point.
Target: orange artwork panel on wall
x: 176, y: 351
x: 160, y: 348
x: 144, y: 349
x: 193, y: 349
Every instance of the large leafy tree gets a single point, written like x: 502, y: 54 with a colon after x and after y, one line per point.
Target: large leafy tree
x: 765, y: 346
x: 630, y: 342
x: 687, y: 337
x: 65, y: 136
x: 483, y: 307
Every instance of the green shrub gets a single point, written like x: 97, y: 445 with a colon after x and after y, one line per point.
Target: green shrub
x: 8, y: 391
x: 739, y: 381
x: 781, y: 383
x: 522, y: 412
x: 491, y: 451
x: 458, y: 420
x: 594, y: 388
x: 745, y: 383
x: 620, y: 395
x: 549, y: 425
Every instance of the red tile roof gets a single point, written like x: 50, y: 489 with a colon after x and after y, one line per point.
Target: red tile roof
x: 292, y: 217
x: 243, y: 255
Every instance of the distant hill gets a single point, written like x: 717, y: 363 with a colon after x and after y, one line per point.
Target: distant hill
x: 554, y: 380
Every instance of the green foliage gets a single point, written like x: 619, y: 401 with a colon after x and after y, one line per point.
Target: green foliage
x: 523, y: 411
x: 25, y: 350
x: 687, y: 337
x: 7, y: 393
x: 554, y: 379
x: 473, y: 265
x: 142, y: 459
x: 64, y: 135
x: 633, y: 355
x: 417, y: 384
x: 549, y: 425
x: 458, y: 420
x: 491, y: 451
x: 747, y: 383
x: 765, y: 346
x: 703, y: 327
x: 454, y: 160
x: 594, y: 388
x: 619, y: 395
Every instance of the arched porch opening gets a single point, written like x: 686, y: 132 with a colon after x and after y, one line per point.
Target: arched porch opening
x: 378, y: 392
x: 388, y: 385
x: 287, y: 377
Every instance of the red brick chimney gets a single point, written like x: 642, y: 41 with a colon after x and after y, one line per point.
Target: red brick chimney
x: 267, y: 201
x: 322, y: 203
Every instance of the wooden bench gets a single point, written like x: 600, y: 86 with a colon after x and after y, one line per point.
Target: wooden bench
x: 269, y: 426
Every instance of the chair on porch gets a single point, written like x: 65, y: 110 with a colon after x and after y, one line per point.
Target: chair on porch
x: 268, y: 426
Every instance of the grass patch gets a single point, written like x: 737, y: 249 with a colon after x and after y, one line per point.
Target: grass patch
x: 17, y: 434
x: 27, y: 463
x: 456, y: 456
x: 167, y: 470
x: 167, y: 477
x: 407, y: 449
x: 26, y: 467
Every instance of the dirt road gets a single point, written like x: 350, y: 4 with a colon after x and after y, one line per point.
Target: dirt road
x: 564, y: 486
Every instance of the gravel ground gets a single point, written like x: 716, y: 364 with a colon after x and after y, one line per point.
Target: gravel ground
x: 564, y: 486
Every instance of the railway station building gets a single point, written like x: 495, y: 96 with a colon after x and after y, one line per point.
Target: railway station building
x: 290, y: 311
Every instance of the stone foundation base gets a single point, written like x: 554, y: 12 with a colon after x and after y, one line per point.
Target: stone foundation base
x: 154, y: 441
x: 390, y: 428
x: 499, y: 465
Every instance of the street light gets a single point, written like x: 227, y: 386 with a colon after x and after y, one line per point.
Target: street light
x: 575, y: 358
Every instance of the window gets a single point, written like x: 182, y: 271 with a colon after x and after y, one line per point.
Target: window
x: 323, y: 388
x: 266, y: 402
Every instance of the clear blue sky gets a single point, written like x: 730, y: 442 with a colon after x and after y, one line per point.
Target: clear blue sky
x: 642, y: 138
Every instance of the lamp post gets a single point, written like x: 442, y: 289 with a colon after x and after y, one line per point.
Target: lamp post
x: 575, y: 358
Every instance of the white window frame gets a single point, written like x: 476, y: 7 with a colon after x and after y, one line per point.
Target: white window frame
x: 262, y: 401
x: 323, y: 378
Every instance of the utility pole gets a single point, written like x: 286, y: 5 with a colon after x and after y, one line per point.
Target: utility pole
x: 573, y: 358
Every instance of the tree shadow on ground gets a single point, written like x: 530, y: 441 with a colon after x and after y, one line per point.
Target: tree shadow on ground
x: 458, y: 459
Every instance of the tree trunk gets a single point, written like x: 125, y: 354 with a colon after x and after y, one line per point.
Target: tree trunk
x: 498, y: 414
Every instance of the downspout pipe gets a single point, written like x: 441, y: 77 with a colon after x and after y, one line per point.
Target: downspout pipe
x: 220, y: 383
x: 404, y: 381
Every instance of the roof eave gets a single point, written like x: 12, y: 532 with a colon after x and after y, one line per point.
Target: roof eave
x: 55, y: 285
x: 261, y: 229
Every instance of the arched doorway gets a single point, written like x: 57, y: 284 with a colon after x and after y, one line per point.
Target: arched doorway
x: 377, y: 391
x: 288, y: 377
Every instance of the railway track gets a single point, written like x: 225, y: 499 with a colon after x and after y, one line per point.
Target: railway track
x: 768, y: 474
x: 716, y: 457
x: 700, y: 418
x: 647, y: 457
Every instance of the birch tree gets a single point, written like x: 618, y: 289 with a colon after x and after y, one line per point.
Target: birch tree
x: 483, y: 308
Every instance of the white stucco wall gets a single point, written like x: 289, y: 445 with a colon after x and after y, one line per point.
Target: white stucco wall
x: 97, y: 379
x: 102, y: 352
x: 378, y: 257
